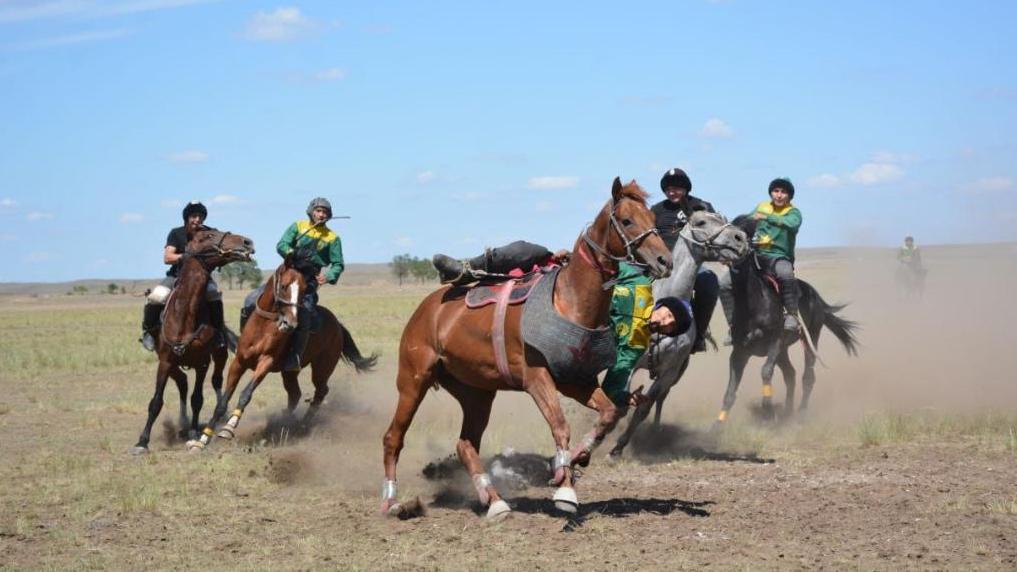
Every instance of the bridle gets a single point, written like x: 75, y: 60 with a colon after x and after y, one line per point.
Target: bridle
x: 688, y: 234
x: 215, y: 250
x: 631, y: 244
x: 278, y: 299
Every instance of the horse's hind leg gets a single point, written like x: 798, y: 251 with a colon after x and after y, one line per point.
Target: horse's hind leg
x: 416, y: 375
x: 218, y: 365
x: 292, y: 386
x: 321, y: 371
x: 808, y: 379
x: 788, y: 371
x: 739, y: 358
x: 154, y: 408
x: 476, y: 404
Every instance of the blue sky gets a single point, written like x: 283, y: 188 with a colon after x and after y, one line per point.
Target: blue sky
x: 445, y: 126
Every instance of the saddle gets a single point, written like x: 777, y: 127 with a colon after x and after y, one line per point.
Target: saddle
x: 490, y: 290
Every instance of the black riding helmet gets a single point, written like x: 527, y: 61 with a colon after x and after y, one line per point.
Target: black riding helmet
x: 783, y: 183
x: 195, y: 207
x: 676, y: 178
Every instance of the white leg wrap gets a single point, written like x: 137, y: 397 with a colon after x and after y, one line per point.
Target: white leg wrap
x: 388, y: 490
x: 481, y: 482
x: 562, y: 458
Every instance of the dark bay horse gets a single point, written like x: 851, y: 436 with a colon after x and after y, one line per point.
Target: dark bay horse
x: 448, y: 345
x: 758, y: 331
x: 186, y: 336
x: 264, y: 342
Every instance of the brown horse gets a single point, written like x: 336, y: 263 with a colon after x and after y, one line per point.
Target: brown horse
x: 446, y: 344
x: 185, y: 339
x: 264, y: 341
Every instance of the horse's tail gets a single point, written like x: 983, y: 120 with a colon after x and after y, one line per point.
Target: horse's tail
x: 231, y: 340
x: 352, y: 355
x: 823, y: 314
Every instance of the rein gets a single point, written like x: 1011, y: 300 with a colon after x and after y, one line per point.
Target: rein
x: 708, y: 242
x: 277, y: 300
x: 630, y: 245
x: 180, y: 346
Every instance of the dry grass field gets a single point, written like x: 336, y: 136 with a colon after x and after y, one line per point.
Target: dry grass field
x: 907, y: 459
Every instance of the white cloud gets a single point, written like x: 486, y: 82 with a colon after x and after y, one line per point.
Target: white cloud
x: 824, y: 181
x: 717, y: 129
x: 131, y: 218
x: 330, y: 74
x: 70, y: 39
x: 552, y: 182
x: 990, y: 185
x: 25, y: 10
x: 224, y: 199
x: 38, y: 215
x: 283, y: 24
x: 544, y: 206
x: 189, y: 156
x: 7, y: 203
x: 38, y: 256
x: 425, y: 177
x: 874, y: 173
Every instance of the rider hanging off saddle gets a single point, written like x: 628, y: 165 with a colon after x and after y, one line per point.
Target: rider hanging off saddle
x: 777, y: 224
x: 194, y: 215
x: 322, y: 246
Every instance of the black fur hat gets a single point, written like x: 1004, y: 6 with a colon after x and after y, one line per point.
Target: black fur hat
x: 783, y: 183
x: 681, y: 312
x: 676, y: 178
x: 195, y: 207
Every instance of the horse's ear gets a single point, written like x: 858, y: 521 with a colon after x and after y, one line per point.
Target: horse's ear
x: 288, y: 261
x: 616, y: 189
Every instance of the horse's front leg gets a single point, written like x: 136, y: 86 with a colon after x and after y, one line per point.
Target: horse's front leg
x: 180, y: 378
x: 788, y: 371
x: 739, y: 358
x: 541, y: 388
x: 608, y: 416
x: 154, y: 408
x: 197, y: 398
x: 772, y: 353
x: 237, y: 370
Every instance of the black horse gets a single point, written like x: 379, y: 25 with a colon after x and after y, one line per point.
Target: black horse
x: 758, y: 331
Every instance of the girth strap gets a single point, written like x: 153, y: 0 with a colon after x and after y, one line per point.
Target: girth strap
x: 498, y: 332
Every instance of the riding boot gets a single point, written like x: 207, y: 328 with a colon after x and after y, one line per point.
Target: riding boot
x: 457, y: 272
x: 706, y: 291
x: 789, y: 298
x: 298, y: 341
x: 150, y: 326
x: 215, y: 316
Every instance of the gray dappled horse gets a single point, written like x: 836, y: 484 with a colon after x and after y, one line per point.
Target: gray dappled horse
x: 707, y: 237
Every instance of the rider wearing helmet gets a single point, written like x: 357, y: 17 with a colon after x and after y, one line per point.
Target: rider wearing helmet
x: 194, y: 216
x: 325, y: 249
x: 672, y: 214
x: 777, y: 224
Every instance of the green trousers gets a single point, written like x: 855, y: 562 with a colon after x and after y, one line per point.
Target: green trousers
x: 616, y: 380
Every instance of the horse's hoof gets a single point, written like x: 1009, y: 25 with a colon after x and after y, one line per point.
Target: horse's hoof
x: 194, y: 446
x: 226, y: 433
x: 391, y: 507
x: 139, y: 450
x: 615, y: 455
x: 498, y: 508
x: 565, y: 500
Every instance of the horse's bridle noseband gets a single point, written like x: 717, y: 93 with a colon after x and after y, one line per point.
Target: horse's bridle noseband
x: 631, y: 244
x: 708, y: 242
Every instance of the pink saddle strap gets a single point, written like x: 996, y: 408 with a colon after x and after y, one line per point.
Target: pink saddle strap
x: 498, y: 332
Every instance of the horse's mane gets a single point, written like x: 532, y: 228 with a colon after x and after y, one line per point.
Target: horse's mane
x: 302, y: 260
x: 746, y: 223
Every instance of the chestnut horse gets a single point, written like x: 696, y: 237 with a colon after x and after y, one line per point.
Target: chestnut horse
x: 264, y: 342
x: 185, y: 338
x: 446, y: 344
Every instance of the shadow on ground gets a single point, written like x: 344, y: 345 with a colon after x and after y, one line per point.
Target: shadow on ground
x: 668, y: 442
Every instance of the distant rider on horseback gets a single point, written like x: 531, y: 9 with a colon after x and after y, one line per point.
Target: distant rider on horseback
x: 909, y: 256
x: 672, y: 214
x: 194, y: 215
x: 777, y: 224
x: 325, y: 249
